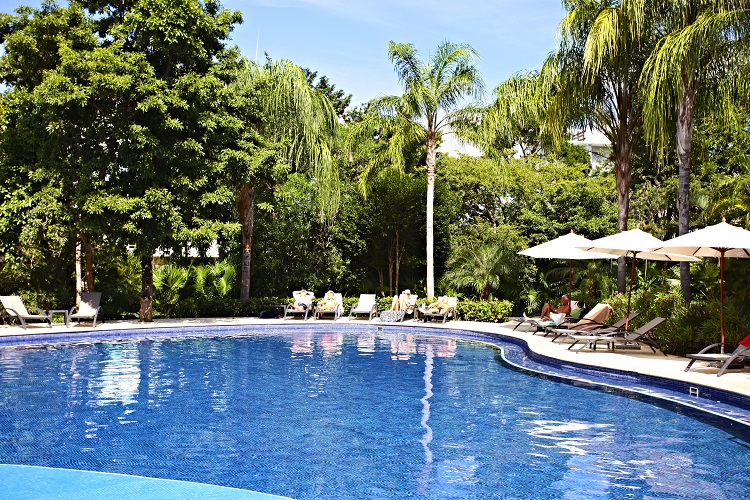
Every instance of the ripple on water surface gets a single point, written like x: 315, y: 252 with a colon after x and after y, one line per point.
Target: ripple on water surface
x: 350, y: 416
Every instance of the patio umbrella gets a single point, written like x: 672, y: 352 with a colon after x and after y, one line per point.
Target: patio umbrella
x: 564, y: 247
x: 720, y: 240
x: 636, y: 244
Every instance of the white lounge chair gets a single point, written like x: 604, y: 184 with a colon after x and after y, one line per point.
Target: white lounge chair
x: 365, y: 305
x: 13, y: 308
x: 302, y: 304
x: 89, y: 308
x: 331, y: 313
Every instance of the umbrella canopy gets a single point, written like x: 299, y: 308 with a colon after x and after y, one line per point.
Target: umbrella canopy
x: 720, y: 240
x: 565, y: 247
x: 636, y: 244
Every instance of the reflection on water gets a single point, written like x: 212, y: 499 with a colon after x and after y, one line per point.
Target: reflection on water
x: 427, y: 438
x: 119, y: 376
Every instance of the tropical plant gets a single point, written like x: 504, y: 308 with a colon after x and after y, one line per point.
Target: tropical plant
x: 300, y: 119
x: 692, y: 70
x: 169, y: 281
x: 594, y: 79
x: 481, y: 268
x: 429, y: 108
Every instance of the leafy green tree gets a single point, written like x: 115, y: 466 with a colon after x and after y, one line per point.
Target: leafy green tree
x: 594, y: 78
x: 429, y: 107
x: 692, y: 68
x: 300, y: 119
x: 339, y: 99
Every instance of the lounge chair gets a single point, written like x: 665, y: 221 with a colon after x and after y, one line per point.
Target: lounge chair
x: 642, y: 336
x: 740, y: 354
x: 594, y: 319
x: 302, y: 305
x: 448, y: 313
x: 89, y: 308
x: 575, y: 313
x: 334, y: 313
x: 13, y: 308
x: 365, y: 305
x: 606, y: 334
x: 411, y: 309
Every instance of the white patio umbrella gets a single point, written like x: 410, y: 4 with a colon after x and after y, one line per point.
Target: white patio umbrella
x: 565, y: 247
x: 720, y: 240
x: 636, y: 244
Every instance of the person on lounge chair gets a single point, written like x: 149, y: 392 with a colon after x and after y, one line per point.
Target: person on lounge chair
x: 302, y: 299
x: 548, y: 308
x: 439, y: 307
x: 403, y: 302
x: 328, y: 303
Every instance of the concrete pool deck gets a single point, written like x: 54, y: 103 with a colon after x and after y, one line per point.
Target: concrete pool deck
x: 642, y: 361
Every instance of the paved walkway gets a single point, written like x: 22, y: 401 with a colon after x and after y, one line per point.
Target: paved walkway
x: 643, y: 361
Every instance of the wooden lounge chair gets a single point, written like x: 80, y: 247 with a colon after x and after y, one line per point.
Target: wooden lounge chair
x: 448, y: 313
x: 13, y: 308
x: 365, y: 305
x: 89, y: 308
x: 740, y: 354
x: 334, y: 313
x: 302, y: 306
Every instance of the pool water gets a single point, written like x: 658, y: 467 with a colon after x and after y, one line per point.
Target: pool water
x: 350, y: 416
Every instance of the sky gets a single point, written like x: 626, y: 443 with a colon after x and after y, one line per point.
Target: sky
x: 347, y: 40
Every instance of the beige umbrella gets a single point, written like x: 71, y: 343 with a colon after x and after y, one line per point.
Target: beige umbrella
x: 636, y: 244
x: 565, y: 247
x: 720, y: 240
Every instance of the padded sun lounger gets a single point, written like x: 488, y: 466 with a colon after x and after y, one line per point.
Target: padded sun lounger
x: 449, y: 313
x: 13, y: 308
x: 333, y: 314
x: 304, y: 298
x: 594, y: 319
x: 741, y: 353
x: 89, y: 308
x: 366, y: 305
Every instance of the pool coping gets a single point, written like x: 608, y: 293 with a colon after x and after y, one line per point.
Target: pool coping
x: 535, y: 355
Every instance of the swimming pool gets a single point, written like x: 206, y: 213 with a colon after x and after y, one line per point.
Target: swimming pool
x: 360, y: 415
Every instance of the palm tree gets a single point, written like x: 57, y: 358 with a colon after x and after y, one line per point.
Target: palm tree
x: 429, y: 108
x: 300, y: 118
x: 479, y: 267
x: 594, y: 78
x: 697, y: 49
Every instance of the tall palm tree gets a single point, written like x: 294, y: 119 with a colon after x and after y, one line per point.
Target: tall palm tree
x: 300, y: 118
x: 697, y: 50
x: 594, y: 77
x: 433, y: 96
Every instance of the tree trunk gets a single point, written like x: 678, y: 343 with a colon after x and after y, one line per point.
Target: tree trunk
x: 79, y: 281
x: 430, y: 243
x: 146, y: 312
x: 88, y: 256
x: 246, y: 207
x: 623, y: 171
x: 685, y: 117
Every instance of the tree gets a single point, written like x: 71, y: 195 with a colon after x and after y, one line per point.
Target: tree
x: 594, y: 78
x: 691, y: 67
x: 299, y: 118
x: 429, y: 108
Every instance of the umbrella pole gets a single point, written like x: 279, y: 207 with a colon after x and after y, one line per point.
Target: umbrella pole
x: 630, y: 291
x: 721, y: 296
x: 571, y: 278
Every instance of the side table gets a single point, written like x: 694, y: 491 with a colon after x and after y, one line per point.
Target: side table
x: 64, y: 312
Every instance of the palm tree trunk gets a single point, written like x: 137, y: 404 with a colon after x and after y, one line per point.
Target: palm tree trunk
x: 430, y: 243
x: 623, y: 170
x: 79, y: 280
x: 685, y: 116
x: 246, y: 208
x: 146, y: 313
